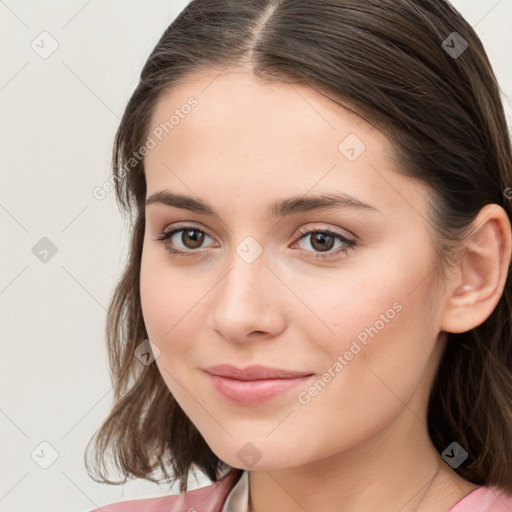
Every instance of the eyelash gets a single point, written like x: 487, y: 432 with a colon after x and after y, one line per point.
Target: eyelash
x: 303, y: 232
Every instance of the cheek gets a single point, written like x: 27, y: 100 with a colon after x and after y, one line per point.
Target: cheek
x: 382, y: 325
x: 385, y: 338
x: 375, y: 378
x: 162, y: 309
x: 165, y: 293
x: 163, y: 304
x: 153, y: 300
x: 170, y: 307
x: 356, y: 303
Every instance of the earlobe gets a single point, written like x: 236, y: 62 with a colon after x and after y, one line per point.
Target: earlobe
x: 477, y: 286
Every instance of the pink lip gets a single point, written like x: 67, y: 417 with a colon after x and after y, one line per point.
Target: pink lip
x: 254, y: 372
x: 254, y: 384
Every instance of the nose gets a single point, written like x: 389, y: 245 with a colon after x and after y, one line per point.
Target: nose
x: 246, y: 302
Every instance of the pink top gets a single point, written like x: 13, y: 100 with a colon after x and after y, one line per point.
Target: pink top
x: 484, y: 499
x: 230, y: 494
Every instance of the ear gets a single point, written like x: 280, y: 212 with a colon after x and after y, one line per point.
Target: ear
x: 480, y: 275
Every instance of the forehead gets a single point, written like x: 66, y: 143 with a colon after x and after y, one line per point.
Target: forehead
x: 259, y: 136
x: 238, y: 99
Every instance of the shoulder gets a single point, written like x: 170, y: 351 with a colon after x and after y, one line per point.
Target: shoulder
x: 210, y: 498
x: 484, y: 499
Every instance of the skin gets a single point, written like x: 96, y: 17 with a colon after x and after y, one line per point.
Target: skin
x: 362, y: 442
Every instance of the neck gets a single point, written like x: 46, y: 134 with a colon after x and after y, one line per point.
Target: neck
x: 397, y: 469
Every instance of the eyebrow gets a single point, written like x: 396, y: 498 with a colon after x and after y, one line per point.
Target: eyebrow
x: 281, y: 208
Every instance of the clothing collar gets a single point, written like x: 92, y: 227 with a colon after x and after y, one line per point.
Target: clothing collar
x: 238, y: 498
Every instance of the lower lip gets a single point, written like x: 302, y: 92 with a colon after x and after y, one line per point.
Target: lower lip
x: 253, y: 392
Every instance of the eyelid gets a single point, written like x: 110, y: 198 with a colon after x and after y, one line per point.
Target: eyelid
x: 324, y: 228
x: 303, y: 230
x: 185, y: 225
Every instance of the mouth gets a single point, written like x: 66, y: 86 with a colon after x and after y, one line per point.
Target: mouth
x: 255, y: 384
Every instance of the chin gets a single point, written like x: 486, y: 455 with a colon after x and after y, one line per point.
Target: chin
x: 258, y: 455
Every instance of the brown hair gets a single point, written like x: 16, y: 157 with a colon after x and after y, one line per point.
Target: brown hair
x: 394, y: 63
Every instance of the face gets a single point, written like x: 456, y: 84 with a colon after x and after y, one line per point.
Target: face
x: 342, y: 294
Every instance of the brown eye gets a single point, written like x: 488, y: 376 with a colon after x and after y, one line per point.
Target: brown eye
x: 321, y: 242
x: 192, y: 238
x: 186, y: 244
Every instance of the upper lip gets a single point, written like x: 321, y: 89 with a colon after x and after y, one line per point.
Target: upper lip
x: 254, y: 372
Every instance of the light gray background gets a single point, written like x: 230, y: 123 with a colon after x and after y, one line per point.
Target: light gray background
x: 58, y: 119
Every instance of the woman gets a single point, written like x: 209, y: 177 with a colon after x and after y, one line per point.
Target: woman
x: 320, y: 257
